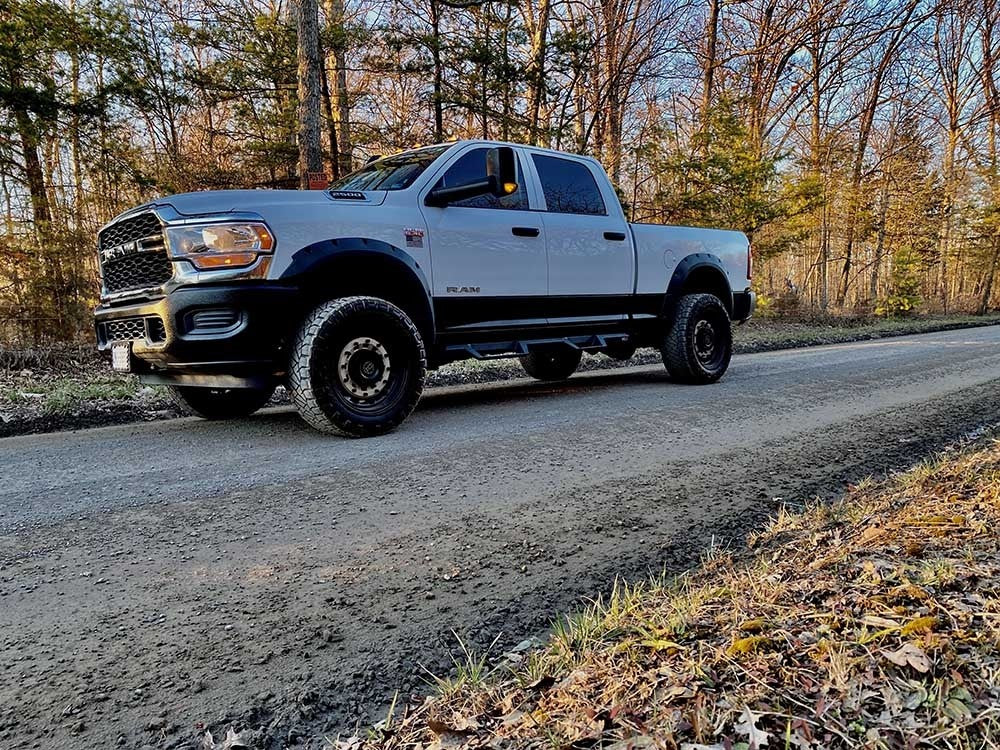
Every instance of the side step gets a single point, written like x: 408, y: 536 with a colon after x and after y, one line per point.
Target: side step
x: 502, y: 349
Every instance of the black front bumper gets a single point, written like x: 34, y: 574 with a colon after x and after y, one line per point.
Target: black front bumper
x: 203, y: 334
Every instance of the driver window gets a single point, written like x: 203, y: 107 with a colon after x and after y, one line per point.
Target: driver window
x: 471, y: 166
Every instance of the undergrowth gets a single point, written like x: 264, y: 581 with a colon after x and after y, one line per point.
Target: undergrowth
x: 870, y: 623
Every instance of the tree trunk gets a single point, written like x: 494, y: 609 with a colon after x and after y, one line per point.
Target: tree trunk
x: 711, y: 42
x: 33, y: 172
x: 438, y: 94
x: 883, y: 215
x: 331, y: 128
x: 310, y: 70
x: 984, y: 302
x: 538, y: 25
x: 340, y: 103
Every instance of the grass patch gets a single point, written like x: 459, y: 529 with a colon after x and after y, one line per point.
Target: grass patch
x: 66, y: 394
x: 61, y: 395
x: 871, y: 623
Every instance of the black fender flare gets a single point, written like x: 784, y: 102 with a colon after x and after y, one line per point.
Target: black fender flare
x: 708, y: 274
x: 321, y: 258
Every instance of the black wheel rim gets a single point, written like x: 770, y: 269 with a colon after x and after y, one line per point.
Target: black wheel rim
x: 711, y: 344
x: 364, y: 371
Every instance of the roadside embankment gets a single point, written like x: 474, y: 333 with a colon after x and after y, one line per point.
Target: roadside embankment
x: 874, y: 623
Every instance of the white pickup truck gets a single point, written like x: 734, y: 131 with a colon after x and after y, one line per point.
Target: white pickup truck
x: 474, y: 249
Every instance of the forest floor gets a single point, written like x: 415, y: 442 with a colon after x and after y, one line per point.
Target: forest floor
x: 873, y: 622
x: 72, y: 388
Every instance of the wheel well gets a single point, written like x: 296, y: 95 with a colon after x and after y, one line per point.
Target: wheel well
x: 371, y: 275
x: 703, y: 279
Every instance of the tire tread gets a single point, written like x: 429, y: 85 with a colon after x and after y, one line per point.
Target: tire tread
x: 300, y: 385
x: 678, y: 356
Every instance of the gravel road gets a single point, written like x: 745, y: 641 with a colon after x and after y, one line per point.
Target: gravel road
x: 160, y: 579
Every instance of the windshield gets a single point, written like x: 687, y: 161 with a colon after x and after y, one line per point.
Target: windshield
x: 391, y: 173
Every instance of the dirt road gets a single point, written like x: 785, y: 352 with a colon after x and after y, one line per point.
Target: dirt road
x: 157, y: 579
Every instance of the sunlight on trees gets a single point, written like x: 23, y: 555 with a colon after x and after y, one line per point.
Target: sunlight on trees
x: 854, y: 142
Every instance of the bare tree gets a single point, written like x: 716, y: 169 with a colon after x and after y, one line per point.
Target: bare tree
x: 309, y: 89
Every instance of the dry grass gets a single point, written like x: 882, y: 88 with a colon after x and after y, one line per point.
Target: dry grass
x: 873, y: 623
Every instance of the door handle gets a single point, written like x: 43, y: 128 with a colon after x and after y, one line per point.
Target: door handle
x: 525, y: 231
x: 615, y: 236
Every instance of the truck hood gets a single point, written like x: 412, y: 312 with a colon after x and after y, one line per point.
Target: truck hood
x: 258, y: 201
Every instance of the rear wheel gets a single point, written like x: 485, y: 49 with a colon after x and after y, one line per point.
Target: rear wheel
x: 357, y: 367
x: 551, y: 364
x: 219, y: 403
x: 699, y: 345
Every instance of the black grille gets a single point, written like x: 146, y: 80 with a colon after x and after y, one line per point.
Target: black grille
x: 128, y: 230
x: 137, y: 271
x: 130, y: 329
x: 125, y: 329
x: 134, y: 254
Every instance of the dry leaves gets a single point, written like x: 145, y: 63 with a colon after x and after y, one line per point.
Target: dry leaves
x: 874, y: 623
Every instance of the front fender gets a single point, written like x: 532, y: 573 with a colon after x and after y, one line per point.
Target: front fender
x: 358, y: 265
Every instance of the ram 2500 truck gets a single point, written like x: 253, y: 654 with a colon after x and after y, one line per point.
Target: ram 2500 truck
x: 347, y: 296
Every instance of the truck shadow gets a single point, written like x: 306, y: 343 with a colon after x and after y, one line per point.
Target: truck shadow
x: 442, y: 398
x: 503, y: 391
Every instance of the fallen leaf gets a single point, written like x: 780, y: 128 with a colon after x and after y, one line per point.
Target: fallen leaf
x: 909, y: 655
x: 747, y: 725
x: 460, y: 725
x: 657, y: 644
x: 232, y: 741
x: 542, y: 683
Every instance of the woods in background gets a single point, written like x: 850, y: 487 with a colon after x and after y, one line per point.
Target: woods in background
x: 855, y: 142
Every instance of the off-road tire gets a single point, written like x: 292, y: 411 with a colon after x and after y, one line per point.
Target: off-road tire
x: 318, y: 381
x: 551, y: 364
x: 687, y: 355
x: 219, y: 403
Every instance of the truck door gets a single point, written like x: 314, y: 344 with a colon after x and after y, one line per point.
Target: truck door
x: 487, y: 254
x: 591, y: 261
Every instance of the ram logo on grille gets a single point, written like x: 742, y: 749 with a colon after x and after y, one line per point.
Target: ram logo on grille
x: 118, y: 251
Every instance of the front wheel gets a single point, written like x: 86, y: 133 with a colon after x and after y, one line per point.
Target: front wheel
x: 551, y: 364
x: 219, y: 403
x: 699, y: 344
x: 357, y: 367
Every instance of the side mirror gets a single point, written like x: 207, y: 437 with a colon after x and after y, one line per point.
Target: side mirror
x: 500, y: 165
x: 500, y: 180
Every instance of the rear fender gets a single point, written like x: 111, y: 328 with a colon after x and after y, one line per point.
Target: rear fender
x: 699, y: 273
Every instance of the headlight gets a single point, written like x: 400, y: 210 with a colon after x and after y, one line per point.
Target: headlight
x: 211, y: 246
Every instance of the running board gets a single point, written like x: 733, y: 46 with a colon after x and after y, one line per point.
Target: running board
x: 520, y: 347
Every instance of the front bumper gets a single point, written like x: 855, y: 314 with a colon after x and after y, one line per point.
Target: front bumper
x: 204, y: 334
x: 744, y: 304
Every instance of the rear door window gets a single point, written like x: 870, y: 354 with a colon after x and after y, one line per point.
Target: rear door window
x: 569, y: 186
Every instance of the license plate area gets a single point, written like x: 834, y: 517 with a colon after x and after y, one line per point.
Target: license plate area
x: 121, y: 356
